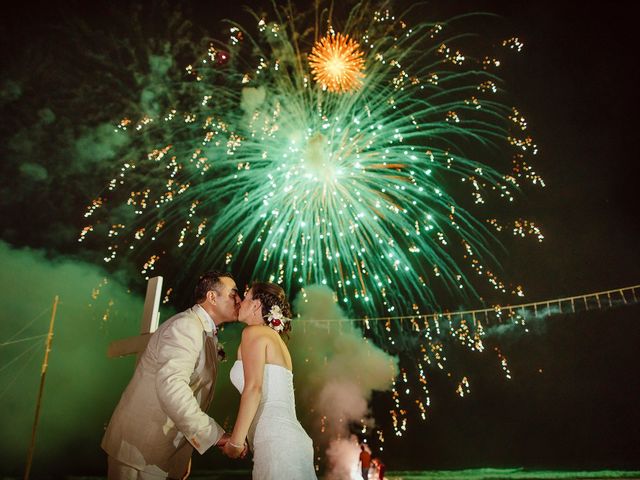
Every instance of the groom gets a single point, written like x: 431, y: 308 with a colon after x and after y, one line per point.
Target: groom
x: 161, y: 415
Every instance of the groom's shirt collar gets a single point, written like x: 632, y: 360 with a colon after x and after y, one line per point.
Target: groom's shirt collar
x: 202, y: 313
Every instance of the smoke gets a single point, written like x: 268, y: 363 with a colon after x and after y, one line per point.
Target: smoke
x: 528, y: 320
x: 336, y: 371
x: 46, y: 116
x: 317, y: 156
x: 58, y: 167
x: 34, y: 171
x: 252, y: 99
x: 98, y: 145
x: 10, y: 91
x: 62, y: 93
x: 82, y: 384
x: 343, y: 455
x: 156, y: 85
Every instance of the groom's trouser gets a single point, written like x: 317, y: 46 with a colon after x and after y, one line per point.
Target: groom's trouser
x: 120, y: 471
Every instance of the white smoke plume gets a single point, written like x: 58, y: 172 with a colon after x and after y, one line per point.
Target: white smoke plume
x: 342, y: 456
x: 337, y: 369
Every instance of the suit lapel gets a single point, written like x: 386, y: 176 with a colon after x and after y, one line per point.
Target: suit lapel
x: 211, y: 364
x: 209, y: 370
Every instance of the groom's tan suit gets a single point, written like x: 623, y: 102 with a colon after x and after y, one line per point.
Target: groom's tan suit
x: 161, y: 416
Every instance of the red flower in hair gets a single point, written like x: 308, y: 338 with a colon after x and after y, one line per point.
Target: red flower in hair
x: 275, y: 319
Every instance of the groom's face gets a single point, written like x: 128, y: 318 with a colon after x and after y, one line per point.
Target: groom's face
x: 227, y: 300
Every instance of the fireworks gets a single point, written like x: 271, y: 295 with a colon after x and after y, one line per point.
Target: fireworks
x: 337, y: 62
x: 378, y: 193
x: 372, y: 156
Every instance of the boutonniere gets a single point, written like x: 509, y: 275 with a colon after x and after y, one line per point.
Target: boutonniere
x: 222, y: 356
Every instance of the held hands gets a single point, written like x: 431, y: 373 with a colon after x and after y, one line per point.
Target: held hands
x: 223, y: 440
x: 235, y: 450
x: 230, y: 449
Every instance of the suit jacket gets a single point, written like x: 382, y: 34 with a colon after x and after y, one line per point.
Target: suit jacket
x: 161, y: 415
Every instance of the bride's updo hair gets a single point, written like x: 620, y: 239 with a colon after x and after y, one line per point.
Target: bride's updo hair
x: 271, y: 294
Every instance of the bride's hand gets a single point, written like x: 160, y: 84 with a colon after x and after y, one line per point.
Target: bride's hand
x: 232, y: 450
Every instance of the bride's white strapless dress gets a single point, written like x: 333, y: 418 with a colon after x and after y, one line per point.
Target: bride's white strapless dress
x: 282, y: 450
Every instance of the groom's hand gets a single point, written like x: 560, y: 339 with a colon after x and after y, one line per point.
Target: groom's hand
x: 223, y: 441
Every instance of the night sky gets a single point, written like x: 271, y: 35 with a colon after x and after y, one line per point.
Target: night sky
x: 572, y: 402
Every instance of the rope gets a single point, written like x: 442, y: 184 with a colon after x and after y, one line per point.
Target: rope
x: 25, y: 339
x: 24, y: 327
x: 17, y: 357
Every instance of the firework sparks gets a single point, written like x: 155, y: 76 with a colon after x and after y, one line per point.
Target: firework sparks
x: 337, y: 63
x: 377, y: 194
x: 382, y: 186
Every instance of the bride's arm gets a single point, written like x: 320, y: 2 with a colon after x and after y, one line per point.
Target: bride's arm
x: 254, y: 348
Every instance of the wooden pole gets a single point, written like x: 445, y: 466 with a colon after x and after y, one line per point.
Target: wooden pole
x: 43, y: 374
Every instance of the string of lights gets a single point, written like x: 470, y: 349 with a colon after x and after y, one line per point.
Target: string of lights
x: 586, y: 301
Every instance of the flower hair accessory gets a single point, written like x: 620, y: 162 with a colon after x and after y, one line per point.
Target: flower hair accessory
x: 276, y: 319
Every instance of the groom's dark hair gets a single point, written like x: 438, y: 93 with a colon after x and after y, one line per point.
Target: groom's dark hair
x: 208, y: 281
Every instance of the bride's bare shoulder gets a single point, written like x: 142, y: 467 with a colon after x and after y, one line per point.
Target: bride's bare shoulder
x: 255, y: 331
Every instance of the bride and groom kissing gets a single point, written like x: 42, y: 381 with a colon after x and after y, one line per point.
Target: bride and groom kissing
x: 161, y: 417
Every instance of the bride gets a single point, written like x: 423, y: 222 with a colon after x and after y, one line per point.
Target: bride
x: 263, y: 375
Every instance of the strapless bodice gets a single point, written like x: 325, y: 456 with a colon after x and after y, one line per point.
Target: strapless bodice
x: 277, y: 383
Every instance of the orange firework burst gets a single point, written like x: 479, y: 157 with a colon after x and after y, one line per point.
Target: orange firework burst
x: 336, y: 63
